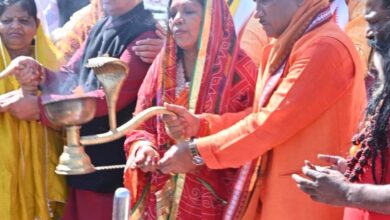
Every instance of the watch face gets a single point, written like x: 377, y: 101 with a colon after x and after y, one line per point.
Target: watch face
x: 197, y: 161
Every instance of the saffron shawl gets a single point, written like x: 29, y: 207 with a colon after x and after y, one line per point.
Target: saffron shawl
x: 223, y: 81
x: 29, y: 152
x: 77, y: 29
x: 282, y: 47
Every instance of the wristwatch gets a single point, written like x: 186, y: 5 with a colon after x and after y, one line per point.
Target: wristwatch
x: 196, y: 158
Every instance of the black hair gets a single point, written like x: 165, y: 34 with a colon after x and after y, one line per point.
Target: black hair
x: 379, y: 105
x: 28, y: 5
x: 386, y: 3
x: 374, y: 136
x: 202, y: 2
x: 379, y: 110
x: 180, y: 51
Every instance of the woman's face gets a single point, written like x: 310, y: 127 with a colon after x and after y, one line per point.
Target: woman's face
x: 17, y: 28
x: 185, y: 18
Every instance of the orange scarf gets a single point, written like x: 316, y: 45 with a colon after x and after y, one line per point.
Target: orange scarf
x: 297, y: 27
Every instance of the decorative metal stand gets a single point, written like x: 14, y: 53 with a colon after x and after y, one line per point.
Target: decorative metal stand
x: 72, y: 113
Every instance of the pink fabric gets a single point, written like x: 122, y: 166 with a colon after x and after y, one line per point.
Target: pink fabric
x: 88, y: 205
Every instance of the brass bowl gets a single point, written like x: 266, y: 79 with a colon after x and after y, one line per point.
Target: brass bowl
x: 74, y: 111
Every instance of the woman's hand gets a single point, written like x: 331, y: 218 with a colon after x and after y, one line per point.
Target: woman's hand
x: 26, y: 108
x: 27, y: 71
x: 144, y: 157
x: 177, y: 159
x: 181, y: 126
x: 7, y: 99
x: 29, y: 79
x: 20, y: 63
x: 19, y: 105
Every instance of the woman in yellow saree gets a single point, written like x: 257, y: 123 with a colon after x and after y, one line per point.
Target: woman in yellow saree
x: 29, y: 188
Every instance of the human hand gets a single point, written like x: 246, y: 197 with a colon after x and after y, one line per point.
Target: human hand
x: 29, y: 79
x: 8, y: 98
x: 177, y: 159
x: 149, y: 48
x: 324, y: 185
x: 144, y: 158
x: 25, y: 108
x: 27, y: 71
x: 338, y: 163
x: 183, y: 125
x: 20, y: 63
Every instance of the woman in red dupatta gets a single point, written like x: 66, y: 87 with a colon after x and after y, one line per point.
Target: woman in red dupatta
x: 222, y: 80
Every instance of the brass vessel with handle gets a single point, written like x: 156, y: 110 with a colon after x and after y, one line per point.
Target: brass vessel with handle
x: 72, y: 113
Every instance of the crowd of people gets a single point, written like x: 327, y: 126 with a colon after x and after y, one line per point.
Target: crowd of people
x: 280, y: 112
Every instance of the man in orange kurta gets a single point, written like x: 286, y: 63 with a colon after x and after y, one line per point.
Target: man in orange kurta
x: 310, y: 97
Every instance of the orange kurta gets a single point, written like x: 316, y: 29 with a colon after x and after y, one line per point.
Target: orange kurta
x: 315, y: 109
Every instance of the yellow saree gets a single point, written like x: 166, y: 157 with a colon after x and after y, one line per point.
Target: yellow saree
x: 29, y: 152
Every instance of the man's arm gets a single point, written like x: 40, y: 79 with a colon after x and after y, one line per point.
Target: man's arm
x: 374, y: 198
x: 218, y: 123
x: 316, y: 80
x: 331, y: 187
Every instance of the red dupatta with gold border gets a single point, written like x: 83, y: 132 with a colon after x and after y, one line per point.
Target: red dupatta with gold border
x: 223, y: 81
